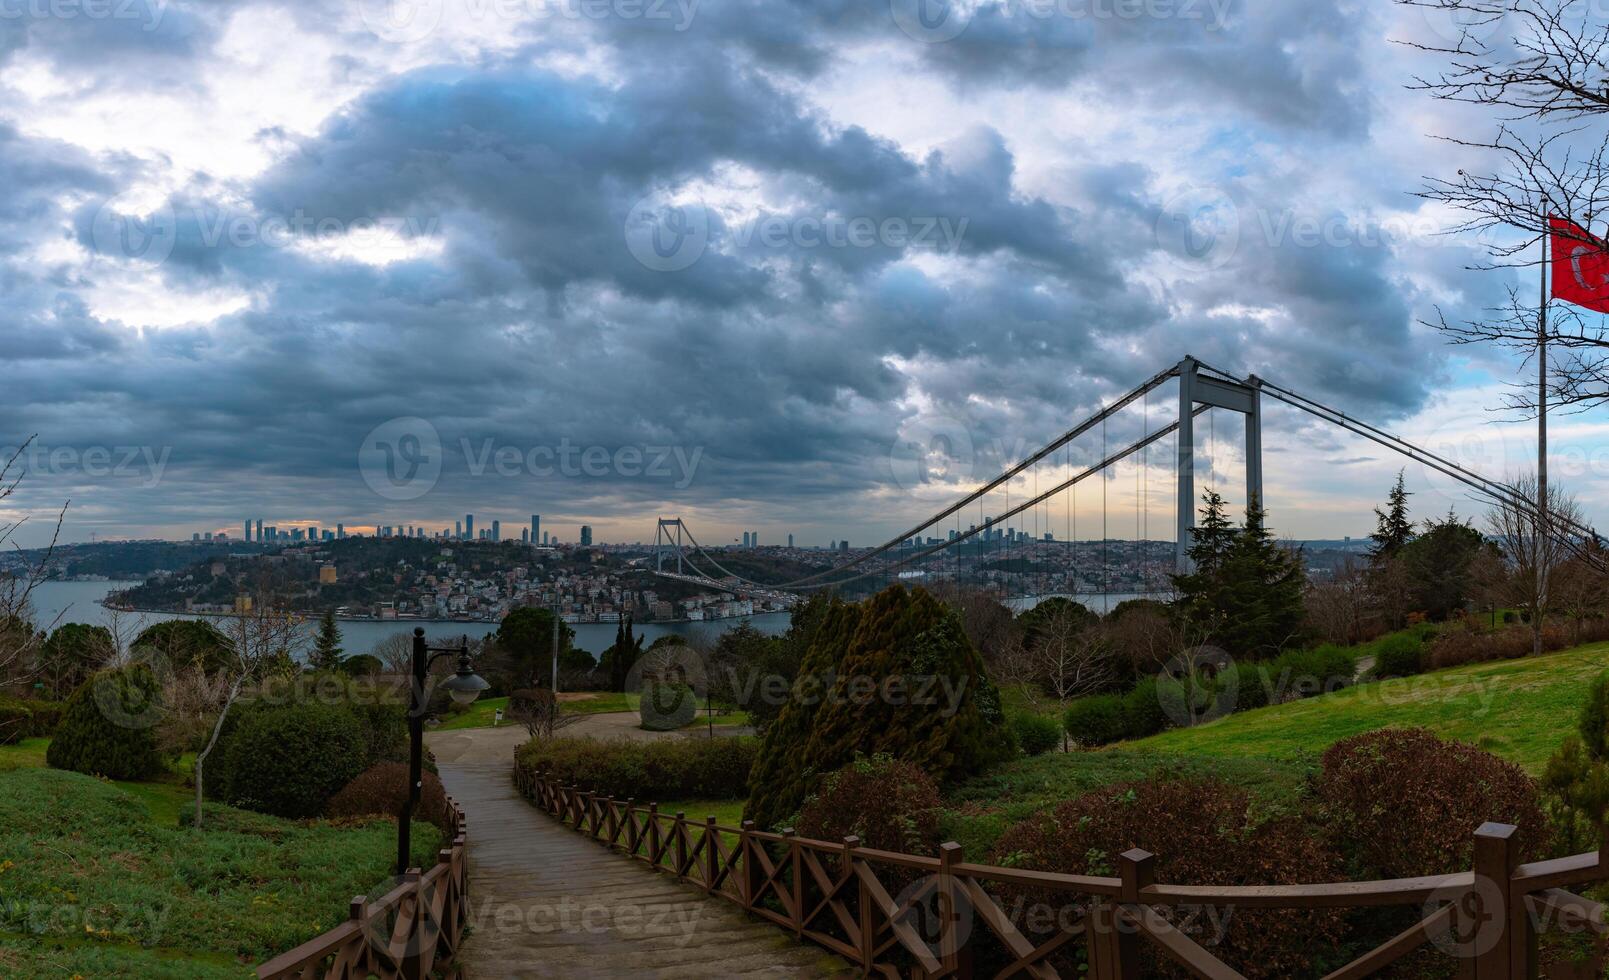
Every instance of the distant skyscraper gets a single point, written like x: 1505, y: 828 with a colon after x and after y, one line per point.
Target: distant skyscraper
x: 536, y: 528
x: 340, y: 530
x: 745, y: 539
x: 586, y: 535
x: 469, y: 526
x: 525, y: 535
x: 458, y: 530
x: 754, y: 539
x: 790, y: 540
x: 497, y: 530
x: 248, y: 529
x: 259, y: 530
x: 545, y: 541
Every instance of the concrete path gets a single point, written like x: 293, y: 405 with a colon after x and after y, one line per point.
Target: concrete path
x: 546, y: 901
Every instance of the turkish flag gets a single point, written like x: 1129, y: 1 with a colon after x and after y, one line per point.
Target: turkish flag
x: 1580, y: 265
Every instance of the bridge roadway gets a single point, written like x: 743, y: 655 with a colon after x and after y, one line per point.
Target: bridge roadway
x: 545, y: 901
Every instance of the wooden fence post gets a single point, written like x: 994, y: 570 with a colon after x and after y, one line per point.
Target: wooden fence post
x: 956, y: 960
x: 411, y: 966
x: 865, y: 940
x: 712, y: 854
x: 653, y: 836
x: 681, y: 843
x: 1502, y: 940
x: 631, y: 826
x: 796, y: 886
x: 1114, y: 949
x: 751, y: 865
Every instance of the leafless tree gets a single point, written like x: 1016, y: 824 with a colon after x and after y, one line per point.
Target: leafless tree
x: 262, y: 643
x: 20, y: 636
x: 1579, y: 588
x: 1532, y: 551
x: 396, y: 653
x: 1336, y: 608
x: 541, y: 712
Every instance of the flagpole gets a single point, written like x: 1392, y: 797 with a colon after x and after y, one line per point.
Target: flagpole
x: 1542, y: 436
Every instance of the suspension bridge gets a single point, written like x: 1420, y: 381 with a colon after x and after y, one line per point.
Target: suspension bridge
x: 998, y: 551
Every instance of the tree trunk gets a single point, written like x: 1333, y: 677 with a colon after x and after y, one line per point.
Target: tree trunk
x: 201, y: 757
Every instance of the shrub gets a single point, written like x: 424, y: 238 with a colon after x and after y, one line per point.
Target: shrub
x: 895, y: 674
x: 672, y: 769
x: 890, y: 805
x: 1203, y: 832
x: 16, y: 721
x: 46, y: 717
x: 667, y: 706
x: 1456, y: 647
x: 1306, y: 673
x: 1399, y: 655
x: 1143, y: 711
x: 107, y: 728
x: 1406, y: 803
x: 1036, y: 734
x: 1095, y: 720
x: 382, y: 790
x: 288, y: 760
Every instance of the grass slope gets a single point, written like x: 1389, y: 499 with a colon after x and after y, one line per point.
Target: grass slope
x: 93, y: 873
x: 1518, y: 709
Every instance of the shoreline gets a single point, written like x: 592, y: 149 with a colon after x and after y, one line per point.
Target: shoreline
x: 403, y: 621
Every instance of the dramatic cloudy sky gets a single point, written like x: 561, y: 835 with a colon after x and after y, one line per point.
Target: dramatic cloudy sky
x: 733, y: 259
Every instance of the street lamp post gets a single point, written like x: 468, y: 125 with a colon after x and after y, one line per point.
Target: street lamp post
x: 464, y: 686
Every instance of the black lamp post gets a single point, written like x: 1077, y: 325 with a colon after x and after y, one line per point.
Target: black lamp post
x: 464, y: 686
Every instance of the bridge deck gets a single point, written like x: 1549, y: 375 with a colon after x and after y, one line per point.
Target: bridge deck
x: 546, y: 902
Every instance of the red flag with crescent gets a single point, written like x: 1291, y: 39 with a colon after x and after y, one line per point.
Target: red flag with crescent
x: 1580, y: 265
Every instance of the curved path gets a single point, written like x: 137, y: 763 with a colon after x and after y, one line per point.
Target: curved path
x: 545, y: 901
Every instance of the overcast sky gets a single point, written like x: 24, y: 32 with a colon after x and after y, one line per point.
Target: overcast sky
x: 610, y: 259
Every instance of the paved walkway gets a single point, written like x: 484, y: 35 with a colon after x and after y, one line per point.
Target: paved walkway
x: 546, y: 901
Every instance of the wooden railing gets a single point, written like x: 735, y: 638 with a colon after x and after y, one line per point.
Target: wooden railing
x: 838, y: 896
x: 411, y: 932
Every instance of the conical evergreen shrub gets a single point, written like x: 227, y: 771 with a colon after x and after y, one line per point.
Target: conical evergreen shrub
x: 108, y: 728
x: 894, y: 675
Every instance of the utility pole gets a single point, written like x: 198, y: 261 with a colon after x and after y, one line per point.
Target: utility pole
x: 556, y: 622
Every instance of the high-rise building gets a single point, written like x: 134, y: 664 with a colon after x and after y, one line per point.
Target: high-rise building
x: 469, y: 526
x: 248, y: 529
x: 745, y: 539
x: 586, y: 535
x: 790, y: 540
x: 196, y: 536
x: 458, y: 530
x: 754, y: 539
x: 536, y: 528
x: 497, y: 530
x: 340, y: 530
x: 545, y: 541
x: 259, y: 530
x: 525, y: 535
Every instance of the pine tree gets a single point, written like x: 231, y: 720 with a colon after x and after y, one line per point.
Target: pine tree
x: 327, y: 653
x: 1245, y: 592
x: 1393, y: 529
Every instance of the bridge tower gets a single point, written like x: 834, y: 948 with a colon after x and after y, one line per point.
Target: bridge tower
x: 664, y: 541
x: 1196, y: 389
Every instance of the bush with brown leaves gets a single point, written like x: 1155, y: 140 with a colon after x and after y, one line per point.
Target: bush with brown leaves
x: 1203, y: 832
x: 381, y: 789
x: 1405, y: 803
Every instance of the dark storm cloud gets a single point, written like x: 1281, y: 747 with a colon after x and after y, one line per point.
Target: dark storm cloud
x: 528, y: 320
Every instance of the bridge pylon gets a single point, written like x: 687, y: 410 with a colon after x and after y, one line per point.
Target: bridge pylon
x: 1195, y: 389
x: 663, y: 541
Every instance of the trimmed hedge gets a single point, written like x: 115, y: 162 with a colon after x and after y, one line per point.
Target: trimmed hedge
x: 666, y: 706
x: 108, y: 726
x: 383, y: 789
x: 1105, y: 718
x: 289, y: 760
x: 1399, y: 655
x: 671, y: 769
x: 1036, y: 734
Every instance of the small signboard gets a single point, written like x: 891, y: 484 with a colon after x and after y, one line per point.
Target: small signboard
x: 497, y: 717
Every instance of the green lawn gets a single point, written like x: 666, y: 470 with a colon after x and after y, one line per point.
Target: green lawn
x: 1518, y: 709
x: 97, y: 878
